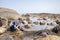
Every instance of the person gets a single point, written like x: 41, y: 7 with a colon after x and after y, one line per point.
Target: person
x: 21, y: 25
x: 12, y: 27
x: 14, y: 24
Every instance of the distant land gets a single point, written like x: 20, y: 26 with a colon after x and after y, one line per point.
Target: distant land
x: 50, y: 15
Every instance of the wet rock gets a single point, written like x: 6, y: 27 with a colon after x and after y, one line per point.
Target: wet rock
x: 27, y: 38
x: 44, y: 34
x: 42, y: 23
x: 58, y: 22
x: 35, y: 23
x: 44, y: 19
x: 55, y: 30
x: 26, y: 26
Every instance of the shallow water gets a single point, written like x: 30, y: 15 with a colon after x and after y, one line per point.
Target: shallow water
x: 36, y: 28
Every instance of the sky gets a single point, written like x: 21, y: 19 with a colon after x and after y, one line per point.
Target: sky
x: 32, y: 6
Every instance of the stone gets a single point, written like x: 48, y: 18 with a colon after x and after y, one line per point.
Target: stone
x: 42, y: 23
x: 2, y: 30
x: 27, y: 26
x: 6, y: 37
x: 49, y: 37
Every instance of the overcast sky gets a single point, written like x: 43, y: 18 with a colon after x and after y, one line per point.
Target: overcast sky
x: 32, y: 6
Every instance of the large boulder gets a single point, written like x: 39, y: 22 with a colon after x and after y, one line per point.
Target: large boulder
x: 9, y: 13
x: 3, y: 25
x: 49, y: 37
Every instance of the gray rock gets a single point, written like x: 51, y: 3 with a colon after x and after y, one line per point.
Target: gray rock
x: 6, y: 37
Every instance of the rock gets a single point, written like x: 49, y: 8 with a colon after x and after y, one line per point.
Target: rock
x: 0, y: 22
x: 58, y: 22
x: 42, y: 22
x: 44, y: 19
x: 50, y: 27
x: 44, y: 34
x: 6, y: 37
x: 35, y: 23
x: 8, y: 13
x: 55, y: 30
x: 4, y: 22
x: 2, y: 30
x: 27, y: 38
x: 49, y: 37
x: 25, y: 22
x: 27, y: 26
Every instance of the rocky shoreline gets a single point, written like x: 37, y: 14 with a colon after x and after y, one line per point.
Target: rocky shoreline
x: 23, y: 35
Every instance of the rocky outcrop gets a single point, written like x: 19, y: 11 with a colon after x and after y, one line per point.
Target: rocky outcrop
x: 7, y: 36
x: 3, y: 25
x: 8, y: 13
x: 50, y: 15
x: 49, y: 37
